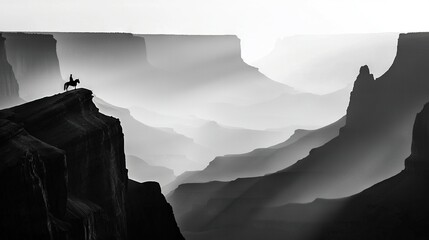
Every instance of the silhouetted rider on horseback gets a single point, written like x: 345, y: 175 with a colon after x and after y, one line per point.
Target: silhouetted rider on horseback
x: 71, y: 82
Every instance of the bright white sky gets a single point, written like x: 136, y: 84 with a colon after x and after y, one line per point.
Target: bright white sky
x: 257, y: 22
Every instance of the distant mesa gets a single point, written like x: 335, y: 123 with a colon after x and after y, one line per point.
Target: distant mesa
x: 35, y: 63
x: 9, y: 89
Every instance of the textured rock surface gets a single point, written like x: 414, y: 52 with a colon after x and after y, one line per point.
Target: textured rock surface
x: 94, y: 149
x: 149, y: 214
x: 63, y: 176
x: 8, y: 84
x: 32, y: 182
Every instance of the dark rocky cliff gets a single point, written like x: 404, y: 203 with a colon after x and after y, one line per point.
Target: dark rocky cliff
x: 149, y: 214
x: 9, y: 90
x: 93, y: 144
x: 33, y: 184
x: 63, y: 170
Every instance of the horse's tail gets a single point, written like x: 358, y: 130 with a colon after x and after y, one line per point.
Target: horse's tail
x: 65, y: 86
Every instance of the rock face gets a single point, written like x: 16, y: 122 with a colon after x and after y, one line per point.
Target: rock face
x: 34, y: 60
x: 396, y: 208
x: 370, y: 148
x: 8, y: 84
x: 149, y: 214
x: 63, y: 176
x: 93, y: 145
x: 33, y: 184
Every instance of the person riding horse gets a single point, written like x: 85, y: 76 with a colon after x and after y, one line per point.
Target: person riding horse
x: 71, y: 82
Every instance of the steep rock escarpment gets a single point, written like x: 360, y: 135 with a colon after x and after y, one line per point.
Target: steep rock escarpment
x: 93, y: 145
x: 370, y: 148
x: 149, y: 214
x: 33, y: 185
x: 63, y: 176
x: 396, y: 208
x: 9, y: 89
x: 34, y: 60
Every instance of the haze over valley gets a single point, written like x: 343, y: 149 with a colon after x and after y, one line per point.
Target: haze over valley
x: 308, y: 142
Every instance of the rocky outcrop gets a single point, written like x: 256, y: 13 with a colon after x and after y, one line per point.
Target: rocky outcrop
x: 34, y: 60
x: 149, y: 214
x: 93, y: 146
x: 9, y: 90
x: 418, y: 162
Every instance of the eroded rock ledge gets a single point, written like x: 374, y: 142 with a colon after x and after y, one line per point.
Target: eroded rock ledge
x: 63, y: 175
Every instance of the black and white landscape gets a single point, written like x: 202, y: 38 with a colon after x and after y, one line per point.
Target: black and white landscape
x: 171, y: 136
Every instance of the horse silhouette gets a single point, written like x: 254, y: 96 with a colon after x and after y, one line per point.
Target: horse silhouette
x: 72, y: 83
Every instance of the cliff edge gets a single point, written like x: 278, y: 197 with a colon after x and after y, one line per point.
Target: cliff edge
x: 63, y: 172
